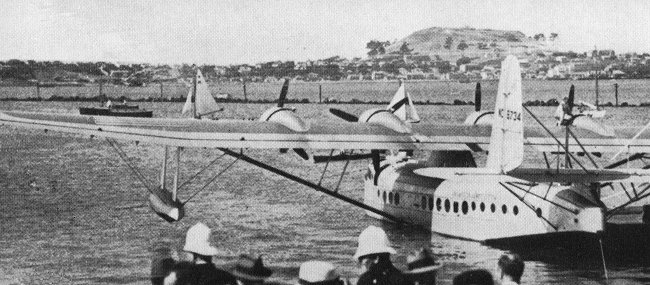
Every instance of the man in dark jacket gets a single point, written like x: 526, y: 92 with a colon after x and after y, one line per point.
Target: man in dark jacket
x: 200, y: 270
x: 373, y: 254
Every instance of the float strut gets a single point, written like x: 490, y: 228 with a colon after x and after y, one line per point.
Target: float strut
x: 163, y: 171
x: 178, y: 166
x: 311, y: 185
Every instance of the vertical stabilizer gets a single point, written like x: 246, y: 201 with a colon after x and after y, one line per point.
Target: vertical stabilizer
x: 402, y: 106
x: 507, y: 140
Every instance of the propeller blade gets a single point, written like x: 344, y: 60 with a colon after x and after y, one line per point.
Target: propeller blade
x: 570, y: 102
x: 283, y: 93
x: 477, y: 97
x: 398, y: 105
x: 302, y: 153
x: 376, y: 159
x: 344, y: 115
x: 591, y: 125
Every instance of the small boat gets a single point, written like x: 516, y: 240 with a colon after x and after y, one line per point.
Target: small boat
x: 124, y: 106
x: 200, y: 103
x: 117, y: 112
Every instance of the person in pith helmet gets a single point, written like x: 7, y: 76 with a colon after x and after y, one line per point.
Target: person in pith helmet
x: 250, y: 270
x: 373, y: 255
x: 200, y: 270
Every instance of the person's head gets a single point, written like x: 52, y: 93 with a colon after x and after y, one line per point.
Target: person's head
x: 197, y: 242
x: 422, y: 267
x: 374, y: 247
x: 318, y: 273
x: 250, y: 270
x: 510, y: 266
x: 474, y: 277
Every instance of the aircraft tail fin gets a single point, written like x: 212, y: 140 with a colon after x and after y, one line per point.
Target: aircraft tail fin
x: 506, y: 150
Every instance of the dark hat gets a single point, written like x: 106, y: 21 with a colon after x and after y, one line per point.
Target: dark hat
x: 421, y: 261
x: 250, y: 268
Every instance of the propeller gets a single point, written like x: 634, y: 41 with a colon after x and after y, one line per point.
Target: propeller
x: 583, y: 122
x: 344, y: 115
x: 283, y: 97
x: 571, y: 100
x: 283, y: 93
x: 477, y: 97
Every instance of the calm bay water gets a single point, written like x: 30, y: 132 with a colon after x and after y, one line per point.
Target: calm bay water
x: 72, y: 213
x: 630, y: 91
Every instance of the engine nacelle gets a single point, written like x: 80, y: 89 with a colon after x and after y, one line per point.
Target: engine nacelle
x: 286, y: 117
x: 480, y: 118
x: 385, y: 118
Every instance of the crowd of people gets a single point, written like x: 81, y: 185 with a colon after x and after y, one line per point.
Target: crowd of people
x: 373, y: 255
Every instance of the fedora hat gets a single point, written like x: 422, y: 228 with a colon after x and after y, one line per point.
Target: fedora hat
x: 318, y: 272
x: 197, y: 240
x: 421, y: 261
x: 373, y: 240
x: 250, y: 268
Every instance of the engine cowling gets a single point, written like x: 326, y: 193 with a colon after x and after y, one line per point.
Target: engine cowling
x: 385, y: 118
x: 480, y: 118
x: 286, y: 117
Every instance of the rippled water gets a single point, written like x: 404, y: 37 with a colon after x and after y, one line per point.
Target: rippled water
x: 72, y: 213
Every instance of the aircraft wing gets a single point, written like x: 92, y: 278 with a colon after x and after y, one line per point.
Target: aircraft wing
x: 251, y: 134
x: 320, y: 135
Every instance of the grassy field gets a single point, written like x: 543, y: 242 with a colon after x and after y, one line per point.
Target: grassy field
x: 631, y: 91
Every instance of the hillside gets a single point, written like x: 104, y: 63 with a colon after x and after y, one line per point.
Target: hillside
x: 480, y: 43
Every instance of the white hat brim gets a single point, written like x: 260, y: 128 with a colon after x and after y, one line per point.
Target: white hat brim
x: 204, y: 250
x: 386, y: 249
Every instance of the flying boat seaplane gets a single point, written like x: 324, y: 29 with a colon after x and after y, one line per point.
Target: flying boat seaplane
x: 503, y: 200
x: 448, y: 193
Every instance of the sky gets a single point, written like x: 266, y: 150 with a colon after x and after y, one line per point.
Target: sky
x: 250, y: 31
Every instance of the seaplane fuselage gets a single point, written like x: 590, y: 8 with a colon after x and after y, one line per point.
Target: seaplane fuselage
x: 478, y: 206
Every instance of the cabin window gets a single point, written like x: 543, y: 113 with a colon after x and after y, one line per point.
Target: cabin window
x: 378, y: 193
x: 390, y: 197
x: 455, y: 207
x: 515, y: 210
x: 384, y: 197
x: 424, y: 203
x: 493, y: 208
x: 473, y: 206
x: 504, y: 209
x: 539, y: 212
x: 464, y: 207
x: 447, y: 205
x: 430, y: 203
x: 438, y: 204
x: 396, y: 198
x: 482, y: 207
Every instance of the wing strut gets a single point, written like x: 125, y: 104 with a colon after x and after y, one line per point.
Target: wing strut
x: 311, y: 185
x: 529, y: 206
x: 556, y: 140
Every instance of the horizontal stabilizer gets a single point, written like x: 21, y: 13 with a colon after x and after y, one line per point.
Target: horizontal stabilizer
x: 544, y: 175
